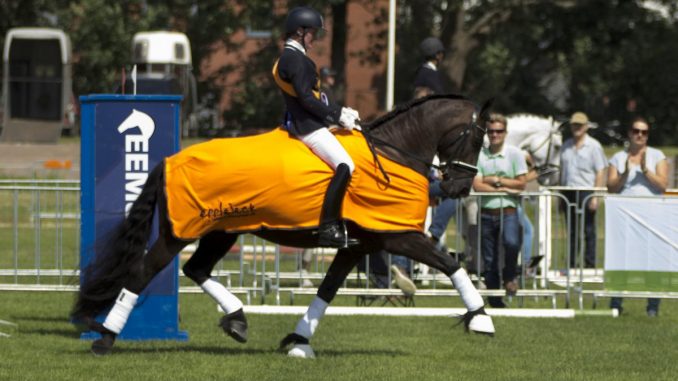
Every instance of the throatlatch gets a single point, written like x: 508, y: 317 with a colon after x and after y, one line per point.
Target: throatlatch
x: 332, y: 231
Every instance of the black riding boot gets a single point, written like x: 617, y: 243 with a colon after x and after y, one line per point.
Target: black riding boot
x: 332, y: 231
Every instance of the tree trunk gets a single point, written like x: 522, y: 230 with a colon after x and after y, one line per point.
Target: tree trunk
x: 338, y: 59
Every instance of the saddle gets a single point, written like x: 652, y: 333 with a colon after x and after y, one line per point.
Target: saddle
x: 274, y: 181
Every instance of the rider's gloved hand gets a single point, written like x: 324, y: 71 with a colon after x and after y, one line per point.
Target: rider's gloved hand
x: 349, y: 118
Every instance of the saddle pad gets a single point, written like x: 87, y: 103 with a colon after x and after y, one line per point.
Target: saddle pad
x: 274, y: 181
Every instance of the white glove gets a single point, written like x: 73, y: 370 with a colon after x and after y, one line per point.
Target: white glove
x: 348, y: 118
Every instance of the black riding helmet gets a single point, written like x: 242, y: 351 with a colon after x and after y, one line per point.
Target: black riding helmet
x: 303, y: 17
x: 431, y: 46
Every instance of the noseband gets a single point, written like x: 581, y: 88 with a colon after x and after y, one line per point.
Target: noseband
x: 446, y: 166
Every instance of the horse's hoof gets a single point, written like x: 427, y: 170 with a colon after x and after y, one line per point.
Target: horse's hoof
x: 235, y: 325
x: 478, y: 321
x: 303, y: 351
x: 293, y: 338
x: 482, y: 324
x: 104, y: 345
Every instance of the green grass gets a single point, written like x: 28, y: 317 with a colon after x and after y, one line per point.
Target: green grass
x: 633, y: 347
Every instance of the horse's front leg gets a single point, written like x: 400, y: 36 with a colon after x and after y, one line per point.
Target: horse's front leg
x: 341, y: 266
x: 418, y: 247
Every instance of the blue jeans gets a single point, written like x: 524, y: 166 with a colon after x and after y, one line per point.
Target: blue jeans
x: 402, y: 262
x: 444, y: 211
x: 491, y: 242
x: 528, y: 232
x: 652, y: 304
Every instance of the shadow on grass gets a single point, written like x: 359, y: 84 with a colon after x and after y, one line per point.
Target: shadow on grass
x: 46, y: 319
x: 215, y: 350
x: 120, y: 349
x: 63, y: 332
x: 361, y: 352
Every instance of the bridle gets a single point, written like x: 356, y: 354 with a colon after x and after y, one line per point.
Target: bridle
x: 547, y: 168
x: 444, y: 167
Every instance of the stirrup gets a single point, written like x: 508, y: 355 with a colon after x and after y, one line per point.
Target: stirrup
x: 335, y: 234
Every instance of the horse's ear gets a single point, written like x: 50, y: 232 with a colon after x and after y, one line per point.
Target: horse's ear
x: 486, y: 108
x: 562, y: 125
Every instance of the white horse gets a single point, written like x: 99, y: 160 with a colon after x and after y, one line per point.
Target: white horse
x: 541, y: 138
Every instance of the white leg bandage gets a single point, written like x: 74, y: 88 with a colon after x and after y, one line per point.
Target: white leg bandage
x: 116, y: 319
x: 469, y: 295
x: 228, y: 302
x: 308, y: 324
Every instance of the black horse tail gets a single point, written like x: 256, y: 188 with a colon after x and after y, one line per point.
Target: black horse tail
x: 107, y: 272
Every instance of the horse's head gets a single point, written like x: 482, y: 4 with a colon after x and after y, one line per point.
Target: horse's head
x: 448, y: 125
x: 459, y: 147
x: 541, y: 138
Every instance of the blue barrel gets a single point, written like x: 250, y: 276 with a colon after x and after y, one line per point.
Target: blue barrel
x: 123, y: 138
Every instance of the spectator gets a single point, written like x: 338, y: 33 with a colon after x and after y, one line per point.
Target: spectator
x: 328, y: 77
x: 529, y: 262
x: 501, y: 169
x: 639, y: 170
x: 582, y: 163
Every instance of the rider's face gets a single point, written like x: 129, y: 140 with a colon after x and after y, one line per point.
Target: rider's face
x: 309, y: 38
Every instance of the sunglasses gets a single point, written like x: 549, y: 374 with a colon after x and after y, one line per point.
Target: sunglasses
x: 636, y: 131
x: 490, y: 132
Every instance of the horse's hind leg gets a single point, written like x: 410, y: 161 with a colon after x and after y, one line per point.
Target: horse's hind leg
x: 165, y: 248
x: 343, y: 263
x: 211, y: 249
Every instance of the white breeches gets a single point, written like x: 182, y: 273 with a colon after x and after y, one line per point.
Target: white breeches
x: 323, y: 143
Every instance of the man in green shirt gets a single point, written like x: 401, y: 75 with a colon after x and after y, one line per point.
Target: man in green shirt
x: 501, y: 170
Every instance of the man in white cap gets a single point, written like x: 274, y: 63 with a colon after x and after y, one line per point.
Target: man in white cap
x: 582, y: 165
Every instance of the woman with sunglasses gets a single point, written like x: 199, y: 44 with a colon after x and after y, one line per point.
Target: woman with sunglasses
x: 639, y: 170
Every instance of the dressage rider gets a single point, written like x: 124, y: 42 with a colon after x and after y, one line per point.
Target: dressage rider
x: 308, y: 118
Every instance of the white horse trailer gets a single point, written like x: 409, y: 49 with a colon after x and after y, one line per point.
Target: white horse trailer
x: 164, y: 66
x: 37, y: 86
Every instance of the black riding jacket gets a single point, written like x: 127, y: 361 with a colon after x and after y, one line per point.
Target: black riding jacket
x: 300, y: 88
x: 427, y: 77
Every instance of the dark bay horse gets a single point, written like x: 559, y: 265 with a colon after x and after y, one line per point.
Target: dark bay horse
x: 410, y: 136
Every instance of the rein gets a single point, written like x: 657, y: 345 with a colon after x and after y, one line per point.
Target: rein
x: 442, y: 167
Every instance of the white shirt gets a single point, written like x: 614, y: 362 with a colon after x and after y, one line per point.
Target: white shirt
x: 290, y: 43
x: 636, y: 183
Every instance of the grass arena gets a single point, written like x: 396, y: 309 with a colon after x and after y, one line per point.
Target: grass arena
x: 45, y: 346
